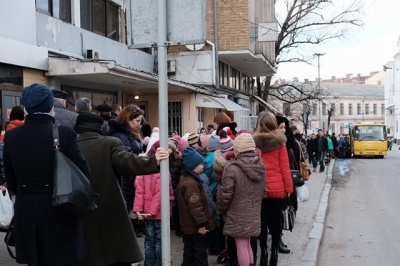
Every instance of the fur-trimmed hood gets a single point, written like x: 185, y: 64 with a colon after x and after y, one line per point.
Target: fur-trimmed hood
x: 269, y: 141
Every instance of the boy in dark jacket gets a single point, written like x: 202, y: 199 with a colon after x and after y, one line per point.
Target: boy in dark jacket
x: 196, y: 218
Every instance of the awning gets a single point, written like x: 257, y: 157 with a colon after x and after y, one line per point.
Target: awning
x: 267, y: 105
x: 107, y: 76
x: 217, y: 102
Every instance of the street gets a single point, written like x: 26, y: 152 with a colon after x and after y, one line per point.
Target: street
x: 363, y: 219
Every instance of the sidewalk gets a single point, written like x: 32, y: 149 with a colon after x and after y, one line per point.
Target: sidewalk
x: 303, y: 241
x: 305, y: 238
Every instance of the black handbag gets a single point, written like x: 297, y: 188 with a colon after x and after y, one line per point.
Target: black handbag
x: 288, y: 215
x: 72, y: 193
x: 9, y: 239
x: 297, y: 178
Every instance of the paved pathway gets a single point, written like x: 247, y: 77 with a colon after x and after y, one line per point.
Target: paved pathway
x: 303, y: 240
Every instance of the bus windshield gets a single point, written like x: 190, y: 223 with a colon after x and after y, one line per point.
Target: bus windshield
x: 369, y: 133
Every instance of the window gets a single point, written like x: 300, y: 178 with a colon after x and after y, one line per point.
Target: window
x: 350, y: 108
x: 175, y: 116
x: 358, y: 108
x: 324, y: 108
x: 60, y: 9
x: 223, y: 74
x: 11, y: 74
x: 375, y: 109
x: 382, y: 109
x: 101, y: 17
x: 342, y: 108
x: 366, y: 108
x: 234, y: 79
x: 332, y: 109
x: 314, y: 109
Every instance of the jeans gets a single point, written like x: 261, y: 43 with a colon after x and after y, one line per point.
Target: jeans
x: 314, y: 161
x: 321, y: 158
x: 152, y: 243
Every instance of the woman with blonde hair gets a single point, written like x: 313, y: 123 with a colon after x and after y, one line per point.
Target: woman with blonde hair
x: 272, y: 144
x: 127, y: 127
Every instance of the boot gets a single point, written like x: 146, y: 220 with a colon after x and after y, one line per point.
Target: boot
x: 263, y: 257
x: 274, y: 258
x: 283, y: 248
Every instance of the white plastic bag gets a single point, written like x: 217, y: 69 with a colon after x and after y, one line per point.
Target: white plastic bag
x: 302, y: 193
x: 6, y: 210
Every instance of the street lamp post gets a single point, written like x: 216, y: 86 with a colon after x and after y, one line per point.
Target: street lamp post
x: 319, y: 93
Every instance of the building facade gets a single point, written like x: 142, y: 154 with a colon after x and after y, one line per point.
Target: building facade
x: 87, y: 48
x: 345, y: 104
x: 392, y: 95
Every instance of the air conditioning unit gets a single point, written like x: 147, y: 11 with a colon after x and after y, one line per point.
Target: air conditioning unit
x: 171, y: 66
x: 92, y: 54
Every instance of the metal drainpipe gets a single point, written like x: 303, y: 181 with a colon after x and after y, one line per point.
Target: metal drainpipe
x: 213, y: 60
x: 216, y: 45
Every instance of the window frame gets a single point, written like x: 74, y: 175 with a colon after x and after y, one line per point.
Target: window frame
x: 50, y: 11
x: 92, y: 17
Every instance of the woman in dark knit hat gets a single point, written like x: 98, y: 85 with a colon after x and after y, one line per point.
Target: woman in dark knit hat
x: 44, y: 236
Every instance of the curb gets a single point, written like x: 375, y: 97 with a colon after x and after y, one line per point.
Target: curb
x: 310, y: 255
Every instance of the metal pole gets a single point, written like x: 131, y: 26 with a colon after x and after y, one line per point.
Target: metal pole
x: 319, y: 94
x: 163, y: 125
x: 216, y: 44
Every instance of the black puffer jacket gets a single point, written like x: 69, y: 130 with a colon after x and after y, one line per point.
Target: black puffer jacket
x: 130, y: 144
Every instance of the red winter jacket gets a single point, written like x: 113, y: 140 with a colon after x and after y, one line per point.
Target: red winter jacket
x: 275, y: 157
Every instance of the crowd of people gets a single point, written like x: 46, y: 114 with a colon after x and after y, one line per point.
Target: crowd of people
x: 227, y: 188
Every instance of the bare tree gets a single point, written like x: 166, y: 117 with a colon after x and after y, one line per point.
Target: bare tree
x: 303, y: 24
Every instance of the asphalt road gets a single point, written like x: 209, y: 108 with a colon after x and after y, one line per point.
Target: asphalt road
x: 363, y: 220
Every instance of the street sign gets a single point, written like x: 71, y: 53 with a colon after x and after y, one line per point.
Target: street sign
x: 186, y: 22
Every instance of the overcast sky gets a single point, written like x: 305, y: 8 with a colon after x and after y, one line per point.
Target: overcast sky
x: 364, y: 50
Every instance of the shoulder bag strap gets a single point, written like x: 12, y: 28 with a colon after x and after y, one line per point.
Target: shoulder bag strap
x: 56, y: 138
x: 292, y: 159
x: 301, y: 152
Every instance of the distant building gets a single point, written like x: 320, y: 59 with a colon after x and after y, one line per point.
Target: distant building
x: 392, y: 94
x: 376, y: 78
x: 348, y: 103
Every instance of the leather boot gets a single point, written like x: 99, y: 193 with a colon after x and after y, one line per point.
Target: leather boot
x: 283, y: 248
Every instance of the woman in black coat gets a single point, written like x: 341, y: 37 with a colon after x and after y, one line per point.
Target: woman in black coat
x: 127, y: 127
x: 42, y: 235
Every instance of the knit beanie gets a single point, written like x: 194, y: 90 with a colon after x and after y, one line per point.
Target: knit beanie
x: 229, y: 132
x: 191, y: 158
x: 244, y: 142
x: 37, y: 98
x: 193, y: 138
x: 172, y: 144
x: 181, y: 143
x: 213, y: 143
x: 225, y: 142
x: 203, y: 140
x: 155, y: 136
